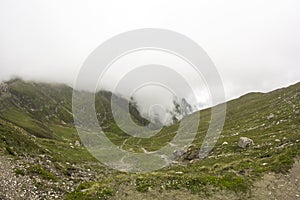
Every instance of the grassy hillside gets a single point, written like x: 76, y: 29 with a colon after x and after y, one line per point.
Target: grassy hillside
x: 36, y: 130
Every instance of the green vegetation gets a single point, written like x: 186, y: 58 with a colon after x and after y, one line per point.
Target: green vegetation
x: 91, y: 190
x: 20, y: 172
x: 35, y: 120
x: 41, y: 171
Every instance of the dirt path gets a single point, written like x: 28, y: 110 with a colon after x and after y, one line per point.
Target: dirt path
x: 279, y: 186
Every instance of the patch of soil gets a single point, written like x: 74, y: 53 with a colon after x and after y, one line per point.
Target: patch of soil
x: 279, y: 186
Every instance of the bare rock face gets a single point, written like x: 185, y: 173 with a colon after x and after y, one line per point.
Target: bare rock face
x: 244, y: 142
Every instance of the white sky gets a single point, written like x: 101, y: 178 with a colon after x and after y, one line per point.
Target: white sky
x: 254, y: 44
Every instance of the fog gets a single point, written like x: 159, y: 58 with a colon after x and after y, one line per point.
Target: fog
x: 255, y: 45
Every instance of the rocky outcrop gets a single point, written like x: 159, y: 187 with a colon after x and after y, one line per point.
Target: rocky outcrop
x: 4, y: 88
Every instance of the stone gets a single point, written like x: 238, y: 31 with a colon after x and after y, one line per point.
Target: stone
x: 225, y: 143
x: 177, y: 154
x: 4, y: 87
x: 77, y: 143
x: 271, y: 116
x: 244, y: 142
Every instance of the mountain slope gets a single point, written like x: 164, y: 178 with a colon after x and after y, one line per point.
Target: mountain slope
x: 37, y: 132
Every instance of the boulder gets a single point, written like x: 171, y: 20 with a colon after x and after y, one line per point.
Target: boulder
x: 244, y: 142
x: 191, y: 153
x: 177, y: 154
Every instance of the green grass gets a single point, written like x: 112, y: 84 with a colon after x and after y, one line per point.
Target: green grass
x: 62, y: 151
x: 91, y: 190
x: 42, y: 172
x: 227, y: 167
x: 15, y: 142
x: 64, y: 133
x: 20, y: 172
x: 20, y: 118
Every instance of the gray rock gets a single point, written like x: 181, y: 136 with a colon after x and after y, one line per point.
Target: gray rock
x: 244, y: 142
x: 177, y: 154
x: 271, y: 116
x: 77, y: 143
x: 4, y: 87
